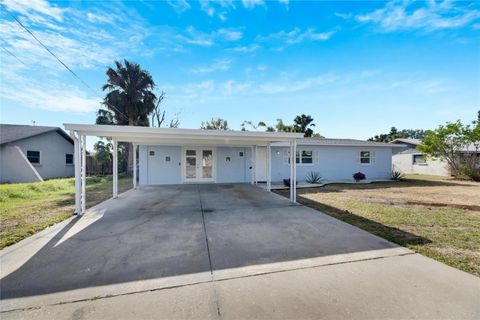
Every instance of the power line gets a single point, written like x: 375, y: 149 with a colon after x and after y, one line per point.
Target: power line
x: 13, y: 55
x: 61, y: 62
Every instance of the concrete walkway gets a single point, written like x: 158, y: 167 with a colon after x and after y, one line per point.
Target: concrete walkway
x: 226, y: 252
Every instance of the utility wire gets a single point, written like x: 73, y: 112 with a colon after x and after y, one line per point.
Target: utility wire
x: 13, y: 55
x: 61, y: 62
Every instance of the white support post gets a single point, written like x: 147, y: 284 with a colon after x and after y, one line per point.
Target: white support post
x: 292, y: 165
x: 269, y: 165
x: 252, y: 152
x: 84, y: 173
x: 77, y: 164
x: 115, y: 169
x: 255, y: 165
x: 134, y: 166
x: 294, y: 172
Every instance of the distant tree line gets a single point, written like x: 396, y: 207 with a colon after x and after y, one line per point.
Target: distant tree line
x: 399, y: 134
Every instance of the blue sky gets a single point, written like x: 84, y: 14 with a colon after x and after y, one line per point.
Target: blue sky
x: 356, y: 67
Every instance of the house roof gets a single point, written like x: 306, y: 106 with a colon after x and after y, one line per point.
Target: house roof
x: 407, y: 141
x: 342, y: 143
x: 185, y: 137
x: 416, y: 142
x: 14, y: 132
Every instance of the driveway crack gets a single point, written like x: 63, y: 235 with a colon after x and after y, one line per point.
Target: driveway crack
x: 215, y: 293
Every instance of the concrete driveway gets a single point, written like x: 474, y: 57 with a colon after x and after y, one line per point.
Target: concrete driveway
x: 223, y: 251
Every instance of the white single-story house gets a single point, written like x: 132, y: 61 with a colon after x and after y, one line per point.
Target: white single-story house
x: 333, y: 159
x: 34, y: 153
x: 177, y: 156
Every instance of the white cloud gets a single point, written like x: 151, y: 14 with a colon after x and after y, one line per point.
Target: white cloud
x: 195, y: 37
x: 80, y: 44
x: 179, y: 5
x: 230, y: 35
x: 218, y: 65
x: 35, y: 10
x: 246, y: 49
x: 250, y: 4
x: 296, y: 35
x: 398, y: 16
x: 49, y: 95
x: 262, y: 67
x: 218, y: 8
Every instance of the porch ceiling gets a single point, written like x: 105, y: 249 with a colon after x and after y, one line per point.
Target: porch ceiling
x: 175, y: 136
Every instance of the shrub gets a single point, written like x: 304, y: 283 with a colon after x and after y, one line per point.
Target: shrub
x: 286, y: 182
x: 397, y: 175
x: 313, y: 177
x: 359, y: 176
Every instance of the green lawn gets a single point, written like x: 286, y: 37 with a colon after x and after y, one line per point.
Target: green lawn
x: 27, y: 208
x: 436, y: 217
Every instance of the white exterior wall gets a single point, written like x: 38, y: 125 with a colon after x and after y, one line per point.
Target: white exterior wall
x: 153, y: 170
x: 335, y: 163
x: 403, y: 162
x: 15, y: 167
x: 53, y: 148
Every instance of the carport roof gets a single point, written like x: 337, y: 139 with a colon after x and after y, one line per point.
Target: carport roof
x: 176, y: 136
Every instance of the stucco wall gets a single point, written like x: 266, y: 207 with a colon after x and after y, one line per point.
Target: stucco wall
x: 335, y: 163
x: 154, y: 170
x: 238, y: 169
x: 53, y: 148
x: 14, y: 166
x: 404, y: 163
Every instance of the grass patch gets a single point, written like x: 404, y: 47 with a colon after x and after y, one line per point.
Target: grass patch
x: 433, y: 216
x: 28, y: 208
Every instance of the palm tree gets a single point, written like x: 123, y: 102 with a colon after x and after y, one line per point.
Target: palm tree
x: 129, y: 100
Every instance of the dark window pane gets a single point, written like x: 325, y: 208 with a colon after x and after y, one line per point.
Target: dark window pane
x: 364, y: 160
x: 69, y: 158
x: 33, y: 156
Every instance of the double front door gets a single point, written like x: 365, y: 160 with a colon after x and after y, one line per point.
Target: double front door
x: 198, y: 164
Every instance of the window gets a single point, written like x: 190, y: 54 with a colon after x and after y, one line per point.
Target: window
x: 228, y: 159
x: 168, y: 159
x: 419, y: 159
x: 151, y: 153
x: 240, y: 154
x: 33, y: 156
x: 305, y: 157
x: 367, y: 157
x: 69, y: 158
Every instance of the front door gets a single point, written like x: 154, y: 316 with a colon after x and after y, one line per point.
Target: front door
x: 198, y: 165
x: 261, y: 164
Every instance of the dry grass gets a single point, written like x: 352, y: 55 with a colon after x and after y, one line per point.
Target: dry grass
x: 433, y: 216
x: 27, y: 208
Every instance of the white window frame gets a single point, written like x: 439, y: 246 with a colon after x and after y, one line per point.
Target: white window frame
x: 39, y: 157
x: 371, y: 157
x: 299, y: 159
x: 73, y: 159
x: 419, y: 163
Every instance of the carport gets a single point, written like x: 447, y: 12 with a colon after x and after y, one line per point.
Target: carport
x: 173, y: 137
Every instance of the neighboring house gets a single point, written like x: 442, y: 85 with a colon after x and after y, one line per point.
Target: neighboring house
x: 409, y: 160
x: 333, y: 159
x: 34, y: 153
